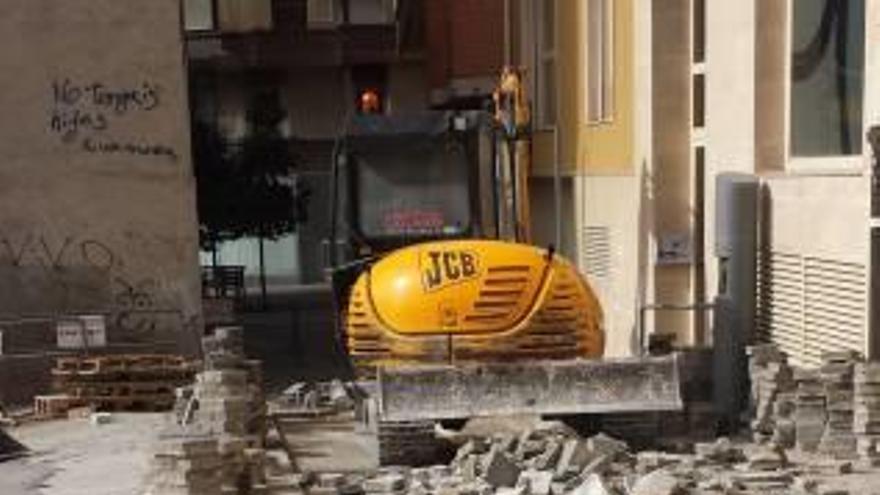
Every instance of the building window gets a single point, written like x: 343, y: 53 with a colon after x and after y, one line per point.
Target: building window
x: 699, y: 103
x: 199, y: 15
x: 370, y: 84
x: 600, y: 60
x: 244, y: 16
x: 371, y: 11
x: 699, y: 31
x: 323, y: 13
x: 546, y: 59
x: 827, y: 77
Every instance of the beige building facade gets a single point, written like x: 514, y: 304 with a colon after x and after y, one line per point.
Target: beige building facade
x: 655, y: 99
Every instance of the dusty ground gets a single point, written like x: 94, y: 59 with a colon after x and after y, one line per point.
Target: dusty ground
x: 74, y: 457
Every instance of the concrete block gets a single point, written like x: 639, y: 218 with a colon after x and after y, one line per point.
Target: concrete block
x: 550, y: 457
x: 592, y: 485
x: 100, y: 418
x: 604, y: 445
x: 575, y: 454
x: 537, y: 482
x: 501, y: 470
x: 389, y: 483
x: 658, y: 483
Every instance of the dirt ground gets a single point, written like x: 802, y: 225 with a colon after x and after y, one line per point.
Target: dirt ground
x: 74, y: 457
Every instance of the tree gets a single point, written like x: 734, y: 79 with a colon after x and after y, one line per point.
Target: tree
x: 213, y: 183
x: 247, y: 190
x: 270, y: 203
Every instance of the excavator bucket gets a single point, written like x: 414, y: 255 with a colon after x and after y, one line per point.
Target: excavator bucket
x: 434, y: 392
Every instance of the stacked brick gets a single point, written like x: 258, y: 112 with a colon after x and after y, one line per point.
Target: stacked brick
x: 810, y: 413
x: 837, y: 376
x: 185, y: 464
x: 785, y: 424
x: 866, y: 411
x: 230, y: 405
x: 771, y: 377
x: 230, y: 390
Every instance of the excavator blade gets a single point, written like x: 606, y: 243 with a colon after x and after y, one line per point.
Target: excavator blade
x: 434, y: 392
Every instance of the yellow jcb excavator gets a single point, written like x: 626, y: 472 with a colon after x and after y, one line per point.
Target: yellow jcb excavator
x: 443, y: 301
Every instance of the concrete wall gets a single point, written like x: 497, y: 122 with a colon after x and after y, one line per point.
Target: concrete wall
x: 97, y: 206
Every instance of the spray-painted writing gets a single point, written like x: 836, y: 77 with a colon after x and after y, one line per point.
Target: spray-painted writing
x: 133, y: 298
x: 89, y: 114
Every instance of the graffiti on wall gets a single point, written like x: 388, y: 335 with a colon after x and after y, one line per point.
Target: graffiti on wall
x: 88, y: 115
x: 134, y: 299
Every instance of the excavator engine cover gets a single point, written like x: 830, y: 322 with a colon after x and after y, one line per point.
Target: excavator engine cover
x: 450, y: 302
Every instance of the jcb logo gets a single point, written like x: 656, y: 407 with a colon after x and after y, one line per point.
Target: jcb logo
x: 442, y: 268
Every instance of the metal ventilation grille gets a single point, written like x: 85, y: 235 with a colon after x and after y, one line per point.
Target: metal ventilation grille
x: 596, y: 256
x: 835, y: 313
x: 809, y: 306
x: 500, y: 294
x: 781, y: 302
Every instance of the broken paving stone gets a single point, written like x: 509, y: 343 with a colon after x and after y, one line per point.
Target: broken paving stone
x: 530, y: 449
x: 550, y: 456
x: 514, y: 490
x: 473, y: 446
x: 833, y: 467
x: 331, y: 479
x: 658, y: 483
x: 766, y: 458
x: 720, y: 451
x: 597, y: 466
x: 507, y: 443
x: 536, y: 482
x: 592, y: 485
x: 389, y: 483
x: 805, y: 485
x: 710, y: 485
x: 500, y: 469
x: 762, y: 480
x: 604, y: 445
x: 648, y: 461
x: 575, y: 454
x: 469, y: 468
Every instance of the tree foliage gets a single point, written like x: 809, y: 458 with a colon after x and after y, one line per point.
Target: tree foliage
x: 247, y: 190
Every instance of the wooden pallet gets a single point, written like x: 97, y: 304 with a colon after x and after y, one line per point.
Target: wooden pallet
x: 128, y: 367
x: 123, y: 363
x: 54, y: 406
x: 143, y: 382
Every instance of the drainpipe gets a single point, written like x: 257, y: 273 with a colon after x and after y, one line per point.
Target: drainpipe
x: 508, y: 34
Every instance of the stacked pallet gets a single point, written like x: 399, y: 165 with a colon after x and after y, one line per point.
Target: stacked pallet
x: 127, y: 382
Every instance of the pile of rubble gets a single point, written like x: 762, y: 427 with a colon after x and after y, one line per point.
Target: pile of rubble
x: 553, y: 460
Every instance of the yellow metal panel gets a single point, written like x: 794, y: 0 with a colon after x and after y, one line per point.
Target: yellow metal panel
x: 607, y: 148
x: 495, y: 301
